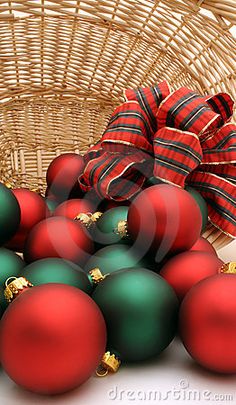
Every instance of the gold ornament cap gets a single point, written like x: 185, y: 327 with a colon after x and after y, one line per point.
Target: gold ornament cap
x: 122, y: 229
x: 97, y: 275
x: 88, y: 219
x: 15, y: 286
x: 84, y: 218
x: 96, y: 216
x: 109, y: 363
x: 228, y: 268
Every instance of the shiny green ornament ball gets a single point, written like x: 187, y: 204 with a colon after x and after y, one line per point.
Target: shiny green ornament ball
x: 9, y: 214
x: 112, y: 258
x: 140, y: 311
x: 11, y: 265
x: 201, y: 203
x: 105, y: 232
x: 55, y: 270
x: 52, y: 205
x: 3, y: 302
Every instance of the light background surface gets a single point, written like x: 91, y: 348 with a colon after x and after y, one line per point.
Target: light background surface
x: 172, y: 378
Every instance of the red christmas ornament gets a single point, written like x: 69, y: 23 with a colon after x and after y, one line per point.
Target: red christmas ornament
x: 63, y: 173
x: 165, y: 218
x: 59, y: 237
x: 52, y: 338
x: 186, y: 269
x: 33, y: 210
x: 208, y: 323
x: 203, y: 245
x: 72, y: 208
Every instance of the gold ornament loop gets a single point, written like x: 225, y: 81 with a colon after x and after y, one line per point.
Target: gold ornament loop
x: 101, y: 371
x: 109, y: 363
x: 9, y: 278
x: 122, y: 229
x: 228, y: 268
x: 97, y: 275
x: 15, y: 286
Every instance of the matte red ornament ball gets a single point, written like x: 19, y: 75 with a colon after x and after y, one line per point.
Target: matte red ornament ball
x: 165, y: 218
x: 186, y: 269
x: 72, y: 208
x: 208, y: 323
x: 52, y: 338
x: 33, y: 210
x: 59, y: 237
x: 62, y: 174
x: 203, y: 245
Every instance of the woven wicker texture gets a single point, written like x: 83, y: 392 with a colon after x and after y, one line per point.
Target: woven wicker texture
x: 64, y: 65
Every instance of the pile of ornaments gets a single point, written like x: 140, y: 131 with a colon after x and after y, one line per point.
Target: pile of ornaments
x: 102, y: 283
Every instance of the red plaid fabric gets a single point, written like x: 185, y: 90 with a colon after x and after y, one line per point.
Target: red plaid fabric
x: 177, y: 154
x: 222, y: 147
x: 128, y: 127
x: 117, y: 176
x: 149, y: 99
x: 190, y: 147
x: 227, y: 171
x: 222, y: 104
x: 186, y: 110
x: 220, y: 197
x: 92, y: 152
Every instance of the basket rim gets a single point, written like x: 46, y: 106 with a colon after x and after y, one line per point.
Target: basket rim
x: 223, y: 9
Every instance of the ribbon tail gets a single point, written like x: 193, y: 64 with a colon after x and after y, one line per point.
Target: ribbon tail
x: 219, y: 194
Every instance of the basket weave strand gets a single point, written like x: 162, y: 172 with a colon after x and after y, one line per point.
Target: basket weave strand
x: 64, y: 65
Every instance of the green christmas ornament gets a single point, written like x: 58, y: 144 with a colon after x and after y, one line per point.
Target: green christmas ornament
x: 52, y: 205
x: 201, y: 203
x: 3, y: 301
x: 11, y: 265
x: 141, y: 312
x: 9, y: 214
x: 113, y: 258
x: 55, y: 270
x: 111, y: 226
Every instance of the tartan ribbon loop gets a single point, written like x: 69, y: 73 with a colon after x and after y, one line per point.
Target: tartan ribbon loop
x: 129, y: 126
x: 221, y: 149
x: 188, y: 111
x: 176, y: 155
x: 149, y: 99
x: 220, y: 195
x: 222, y: 104
x: 180, y: 138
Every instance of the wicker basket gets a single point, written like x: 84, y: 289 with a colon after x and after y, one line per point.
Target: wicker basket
x: 64, y: 65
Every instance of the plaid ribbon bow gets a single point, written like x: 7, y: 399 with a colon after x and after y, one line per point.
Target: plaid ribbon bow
x: 179, y: 137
